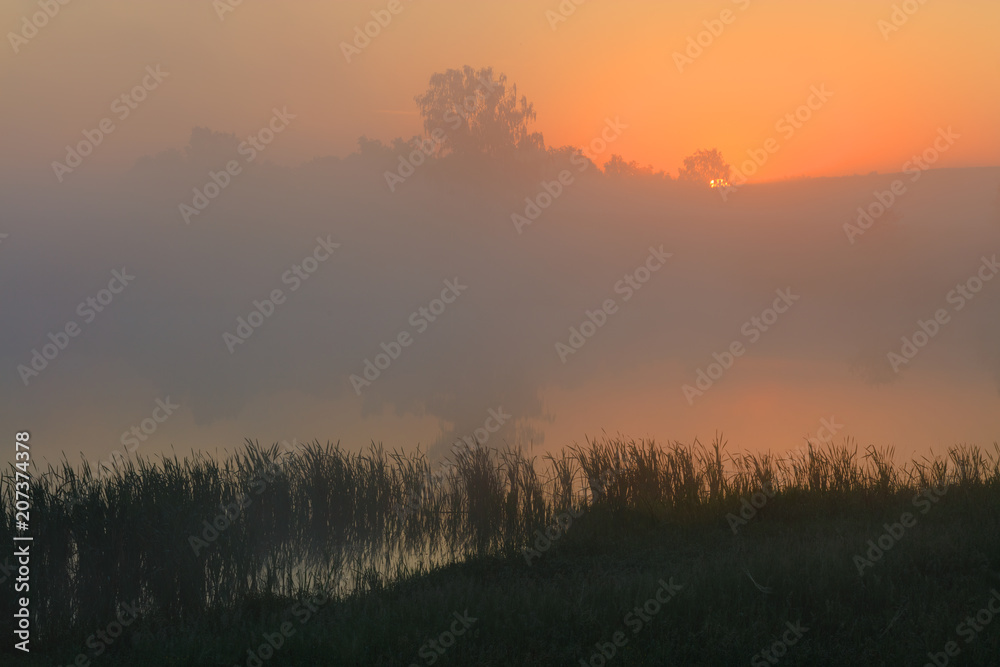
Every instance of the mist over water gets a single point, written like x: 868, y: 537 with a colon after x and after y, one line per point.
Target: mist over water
x: 222, y: 231
x: 538, y: 330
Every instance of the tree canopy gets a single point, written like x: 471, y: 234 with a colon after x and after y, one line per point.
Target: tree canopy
x: 704, y: 167
x: 469, y: 112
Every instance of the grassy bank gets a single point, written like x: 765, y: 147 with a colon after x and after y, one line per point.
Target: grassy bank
x: 513, y: 561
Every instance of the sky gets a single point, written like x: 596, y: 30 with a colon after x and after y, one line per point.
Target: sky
x: 823, y: 106
x: 889, y: 87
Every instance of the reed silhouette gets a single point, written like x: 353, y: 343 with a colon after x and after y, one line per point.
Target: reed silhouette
x: 188, y: 540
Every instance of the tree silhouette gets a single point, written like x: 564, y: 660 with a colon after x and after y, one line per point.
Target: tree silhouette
x: 468, y: 112
x: 705, y: 167
x: 619, y: 168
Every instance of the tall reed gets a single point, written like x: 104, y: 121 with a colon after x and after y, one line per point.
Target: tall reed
x: 181, y: 537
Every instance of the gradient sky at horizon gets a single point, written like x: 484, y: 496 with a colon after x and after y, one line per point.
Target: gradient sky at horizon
x: 608, y: 59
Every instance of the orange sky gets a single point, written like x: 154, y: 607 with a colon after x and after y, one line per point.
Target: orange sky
x: 607, y: 59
